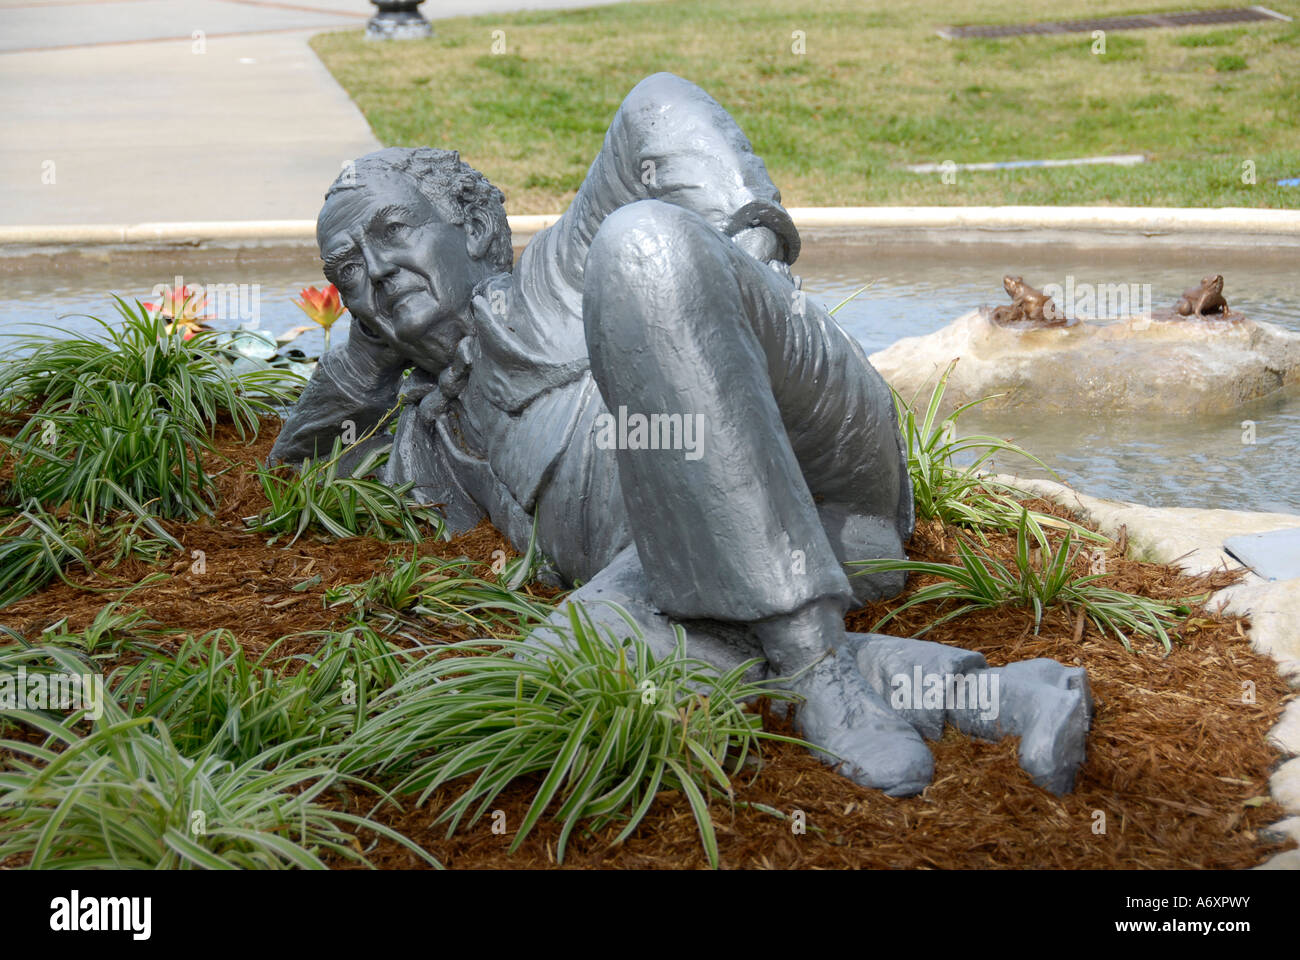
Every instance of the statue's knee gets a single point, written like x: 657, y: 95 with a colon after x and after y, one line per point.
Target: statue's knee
x: 649, y: 244
x: 645, y: 271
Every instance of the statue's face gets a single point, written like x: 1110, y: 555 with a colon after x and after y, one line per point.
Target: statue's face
x: 401, y: 269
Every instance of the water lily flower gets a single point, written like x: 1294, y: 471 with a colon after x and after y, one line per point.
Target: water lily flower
x: 182, y: 308
x: 324, y: 307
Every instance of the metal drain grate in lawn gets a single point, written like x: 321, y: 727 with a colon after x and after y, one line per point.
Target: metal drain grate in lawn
x: 1192, y: 18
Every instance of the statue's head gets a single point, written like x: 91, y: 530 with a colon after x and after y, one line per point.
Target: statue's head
x: 405, y: 235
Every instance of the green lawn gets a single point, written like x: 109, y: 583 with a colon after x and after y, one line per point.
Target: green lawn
x: 875, y: 89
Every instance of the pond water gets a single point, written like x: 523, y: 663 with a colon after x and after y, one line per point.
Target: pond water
x: 915, y: 290
x: 1161, y: 461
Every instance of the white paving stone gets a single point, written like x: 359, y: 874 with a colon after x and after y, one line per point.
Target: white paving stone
x: 1285, y: 785
x: 1290, y: 827
x: 1286, y: 735
x: 1286, y: 860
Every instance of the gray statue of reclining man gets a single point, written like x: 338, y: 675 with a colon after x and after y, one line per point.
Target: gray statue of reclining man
x: 648, y: 390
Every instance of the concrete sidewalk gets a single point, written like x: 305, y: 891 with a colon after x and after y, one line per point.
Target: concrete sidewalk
x: 55, y: 25
x: 111, y: 115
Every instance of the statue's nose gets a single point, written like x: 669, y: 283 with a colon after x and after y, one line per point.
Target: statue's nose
x: 376, y: 266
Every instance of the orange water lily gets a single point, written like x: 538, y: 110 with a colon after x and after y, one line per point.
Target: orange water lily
x: 323, y: 306
x: 182, y: 308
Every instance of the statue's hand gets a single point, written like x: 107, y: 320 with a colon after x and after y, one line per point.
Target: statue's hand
x: 759, y: 242
x: 431, y: 407
x: 455, y: 376
x: 416, y: 383
x: 764, y: 245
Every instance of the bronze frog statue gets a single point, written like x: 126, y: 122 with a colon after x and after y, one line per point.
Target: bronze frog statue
x: 1028, y: 305
x: 1205, y: 299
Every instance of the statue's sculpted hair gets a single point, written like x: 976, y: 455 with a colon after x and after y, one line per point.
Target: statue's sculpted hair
x: 451, y: 185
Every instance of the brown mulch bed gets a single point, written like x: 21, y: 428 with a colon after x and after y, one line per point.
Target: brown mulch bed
x: 247, y: 586
x: 1177, y: 763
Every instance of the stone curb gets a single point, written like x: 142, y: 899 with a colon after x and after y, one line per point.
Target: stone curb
x: 196, y: 233
x: 1193, y: 541
x: 1226, y: 224
x: 1145, y: 220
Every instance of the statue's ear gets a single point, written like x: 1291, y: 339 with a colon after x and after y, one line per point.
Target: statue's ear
x: 480, y: 230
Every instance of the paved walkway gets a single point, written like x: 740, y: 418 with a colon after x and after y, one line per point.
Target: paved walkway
x: 110, y: 116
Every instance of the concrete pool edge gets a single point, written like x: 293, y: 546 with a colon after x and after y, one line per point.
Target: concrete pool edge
x: 1192, y: 540
x: 1221, y: 226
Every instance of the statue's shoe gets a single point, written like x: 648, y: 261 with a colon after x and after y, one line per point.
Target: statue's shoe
x: 857, y: 731
x: 871, y: 704
x: 1044, y: 703
x: 902, y: 670
x: 1048, y: 705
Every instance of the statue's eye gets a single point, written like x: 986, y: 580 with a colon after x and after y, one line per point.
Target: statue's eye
x: 394, y: 231
x: 349, y: 272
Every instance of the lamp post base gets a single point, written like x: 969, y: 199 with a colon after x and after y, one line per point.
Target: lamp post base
x: 398, y: 20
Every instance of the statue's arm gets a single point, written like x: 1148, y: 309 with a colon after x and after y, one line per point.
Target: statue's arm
x: 358, y: 382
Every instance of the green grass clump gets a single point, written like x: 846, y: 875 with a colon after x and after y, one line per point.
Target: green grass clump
x: 1213, y: 38
x: 409, y: 593
x: 129, y: 411
x: 344, y: 506
x: 113, y: 431
x: 113, y: 631
x: 106, y: 433
x: 191, y: 381
x: 205, y: 762
x: 981, y: 582
x: 963, y: 495
x: 213, y: 697
x: 124, y: 797
x: 36, y: 546
x: 604, y: 724
x: 33, y: 551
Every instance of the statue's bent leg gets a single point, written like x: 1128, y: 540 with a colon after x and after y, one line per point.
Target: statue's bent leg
x: 724, y: 521
x: 793, y: 418
x: 839, y: 416
x: 723, y: 518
